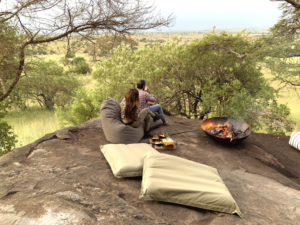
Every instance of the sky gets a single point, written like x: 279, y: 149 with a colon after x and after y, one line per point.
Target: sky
x: 195, y: 15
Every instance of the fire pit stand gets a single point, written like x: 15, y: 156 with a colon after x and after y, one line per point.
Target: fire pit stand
x: 226, y: 130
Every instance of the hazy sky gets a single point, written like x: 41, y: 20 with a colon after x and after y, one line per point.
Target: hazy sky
x: 204, y: 14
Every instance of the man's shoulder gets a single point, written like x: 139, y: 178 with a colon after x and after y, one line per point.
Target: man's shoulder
x: 141, y: 92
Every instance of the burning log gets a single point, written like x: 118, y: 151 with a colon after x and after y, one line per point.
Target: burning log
x: 225, y: 131
x: 229, y: 133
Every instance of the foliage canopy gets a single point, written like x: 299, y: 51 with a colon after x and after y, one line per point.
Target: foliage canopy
x: 7, y: 137
x: 47, y: 84
x: 106, y: 43
x: 80, y: 66
x: 205, y: 78
x: 44, y: 21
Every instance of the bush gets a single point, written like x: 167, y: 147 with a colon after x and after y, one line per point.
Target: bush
x: 85, y: 106
x: 80, y: 66
x: 39, y: 52
x: 70, y: 54
x: 7, y: 137
x: 64, y: 61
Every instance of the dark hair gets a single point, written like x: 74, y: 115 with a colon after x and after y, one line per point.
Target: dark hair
x: 140, y: 84
x: 132, y: 103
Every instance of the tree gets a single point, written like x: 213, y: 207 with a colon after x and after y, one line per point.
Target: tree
x: 80, y: 66
x: 47, y: 84
x: 214, y: 76
x: 9, y: 40
x: 285, y: 71
x: 107, y: 43
x: 44, y: 21
x: 283, y: 46
x: 289, y: 20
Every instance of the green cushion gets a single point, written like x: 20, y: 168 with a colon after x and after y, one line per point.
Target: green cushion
x: 126, y: 160
x: 172, y: 179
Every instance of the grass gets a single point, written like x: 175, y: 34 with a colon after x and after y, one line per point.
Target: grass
x: 31, y: 124
x: 34, y: 122
x: 293, y: 102
x: 289, y: 97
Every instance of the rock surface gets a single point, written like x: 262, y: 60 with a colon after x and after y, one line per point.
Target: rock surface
x: 63, y: 178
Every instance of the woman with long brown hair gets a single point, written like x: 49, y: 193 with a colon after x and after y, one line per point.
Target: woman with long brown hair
x: 131, y: 115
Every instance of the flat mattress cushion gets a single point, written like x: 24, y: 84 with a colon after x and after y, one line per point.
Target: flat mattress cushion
x: 172, y: 179
x: 126, y: 160
x: 295, y: 140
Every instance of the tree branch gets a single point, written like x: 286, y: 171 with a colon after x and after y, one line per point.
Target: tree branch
x: 19, y: 72
x: 294, y: 3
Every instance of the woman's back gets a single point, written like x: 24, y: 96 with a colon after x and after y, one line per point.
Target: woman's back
x: 123, y: 108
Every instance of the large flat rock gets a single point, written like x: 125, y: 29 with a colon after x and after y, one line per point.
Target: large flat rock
x: 63, y: 178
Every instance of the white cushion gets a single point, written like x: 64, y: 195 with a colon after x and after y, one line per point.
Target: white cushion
x: 126, y: 160
x: 295, y: 140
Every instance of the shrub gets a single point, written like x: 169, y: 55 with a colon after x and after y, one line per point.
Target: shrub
x: 80, y: 66
x: 64, y: 61
x: 70, y: 54
x: 7, y: 137
x: 85, y: 106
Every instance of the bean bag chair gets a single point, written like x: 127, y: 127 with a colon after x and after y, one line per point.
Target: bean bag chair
x: 295, y: 140
x: 114, y: 129
x: 172, y: 179
x: 126, y: 160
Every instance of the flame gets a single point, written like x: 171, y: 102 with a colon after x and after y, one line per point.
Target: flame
x: 224, y: 127
x: 222, y: 132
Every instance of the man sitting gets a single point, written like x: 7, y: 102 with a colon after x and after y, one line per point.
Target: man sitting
x: 147, y: 100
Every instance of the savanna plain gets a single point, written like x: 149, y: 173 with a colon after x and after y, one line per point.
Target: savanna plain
x: 35, y: 121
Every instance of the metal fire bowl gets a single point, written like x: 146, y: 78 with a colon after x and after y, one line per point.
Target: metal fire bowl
x: 237, y: 124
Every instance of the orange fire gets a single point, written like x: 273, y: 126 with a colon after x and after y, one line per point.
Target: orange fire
x: 221, y: 132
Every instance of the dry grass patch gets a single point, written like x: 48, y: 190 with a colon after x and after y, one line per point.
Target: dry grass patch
x: 32, y: 124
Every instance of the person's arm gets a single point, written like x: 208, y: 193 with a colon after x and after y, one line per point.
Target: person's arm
x: 122, y: 110
x: 137, y: 114
x: 150, y: 103
x: 149, y: 96
x: 147, y: 89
